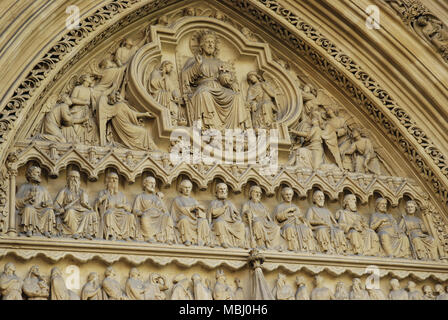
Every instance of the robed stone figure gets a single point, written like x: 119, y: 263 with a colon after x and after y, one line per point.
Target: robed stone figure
x: 34, y: 204
x: 393, y: 239
x: 362, y: 239
x: 119, y: 222
x: 227, y: 225
x: 216, y: 104
x: 156, y: 223
x: 295, y: 229
x: 190, y: 217
x: 72, y: 203
x: 262, y: 227
x: 330, y: 238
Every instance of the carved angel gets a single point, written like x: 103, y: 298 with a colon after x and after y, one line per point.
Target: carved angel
x: 263, y: 100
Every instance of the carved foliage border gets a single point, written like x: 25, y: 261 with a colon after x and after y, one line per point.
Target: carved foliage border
x: 356, y: 93
x: 16, y: 104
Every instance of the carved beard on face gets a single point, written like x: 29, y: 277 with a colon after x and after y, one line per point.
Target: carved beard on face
x: 112, y: 186
x: 73, y: 186
x: 35, y: 179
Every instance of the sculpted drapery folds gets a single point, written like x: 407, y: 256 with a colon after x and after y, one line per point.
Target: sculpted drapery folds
x: 423, y: 244
x: 302, y: 291
x: 10, y: 283
x: 363, y: 240
x: 262, y: 228
x: 112, y: 206
x: 365, y: 159
x: 313, y: 150
x: 180, y: 288
x: 34, y: 285
x: 335, y: 134
x: 190, y: 217
x: 341, y: 291
x: 72, y: 204
x: 34, y: 203
x: 58, y: 123
x: 396, y: 293
x: 85, y: 126
x: 329, y: 237
x: 58, y: 289
x: 295, y: 229
x: 213, y: 103
x: 120, y: 124
x: 111, y: 287
x: 222, y: 291
x: 156, y: 223
x: 164, y: 92
x: 135, y: 288
x: 320, y: 292
x: 358, y: 292
x: 393, y: 240
x: 156, y: 287
x: 282, y: 290
x: 261, y: 98
x: 200, y: 290
x: 92, y: 289
x: 227, y: 225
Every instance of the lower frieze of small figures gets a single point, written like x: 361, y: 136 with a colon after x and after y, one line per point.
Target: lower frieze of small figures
x: 110, y: 285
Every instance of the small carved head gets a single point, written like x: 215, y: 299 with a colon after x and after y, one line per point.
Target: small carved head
x: 34, y: 271
x: 73, y: 177
x: 112, y: 181
x: 350, y: 202
x: 196, y: 277
x: 411, y: 207
x: 287, y: 194
x: 110, y: 272
x: 92, y: 277
x: 128, y: 43
x: 439, y: 288
x: 190, y: 11
x: 300, y: 280
x: 149, y: 184
x: 86, y: 80
x: 395, y: 284
x: 9, y: 268
x: 220, y: 276
x: 166, y: 66
x: 381, y: 205
x: 281, y: 279
x: 33, y: 174
x: 134, y: 273
x: 253, y: 77
x: 208, y: 43
x: 427, y: 290
x: 185, y: 187
x: 255, y: 193
x: 222, y: 191
x: 319, y: 198
x: 411, y: 285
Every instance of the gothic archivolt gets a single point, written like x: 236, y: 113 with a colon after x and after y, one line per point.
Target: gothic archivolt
x: 96, y: 166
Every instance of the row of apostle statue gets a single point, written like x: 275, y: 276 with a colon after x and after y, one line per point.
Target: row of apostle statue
x: 221, y: 224
x: 35, y: 286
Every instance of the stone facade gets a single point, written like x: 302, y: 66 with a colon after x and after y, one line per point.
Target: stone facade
x: 166, y: 150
